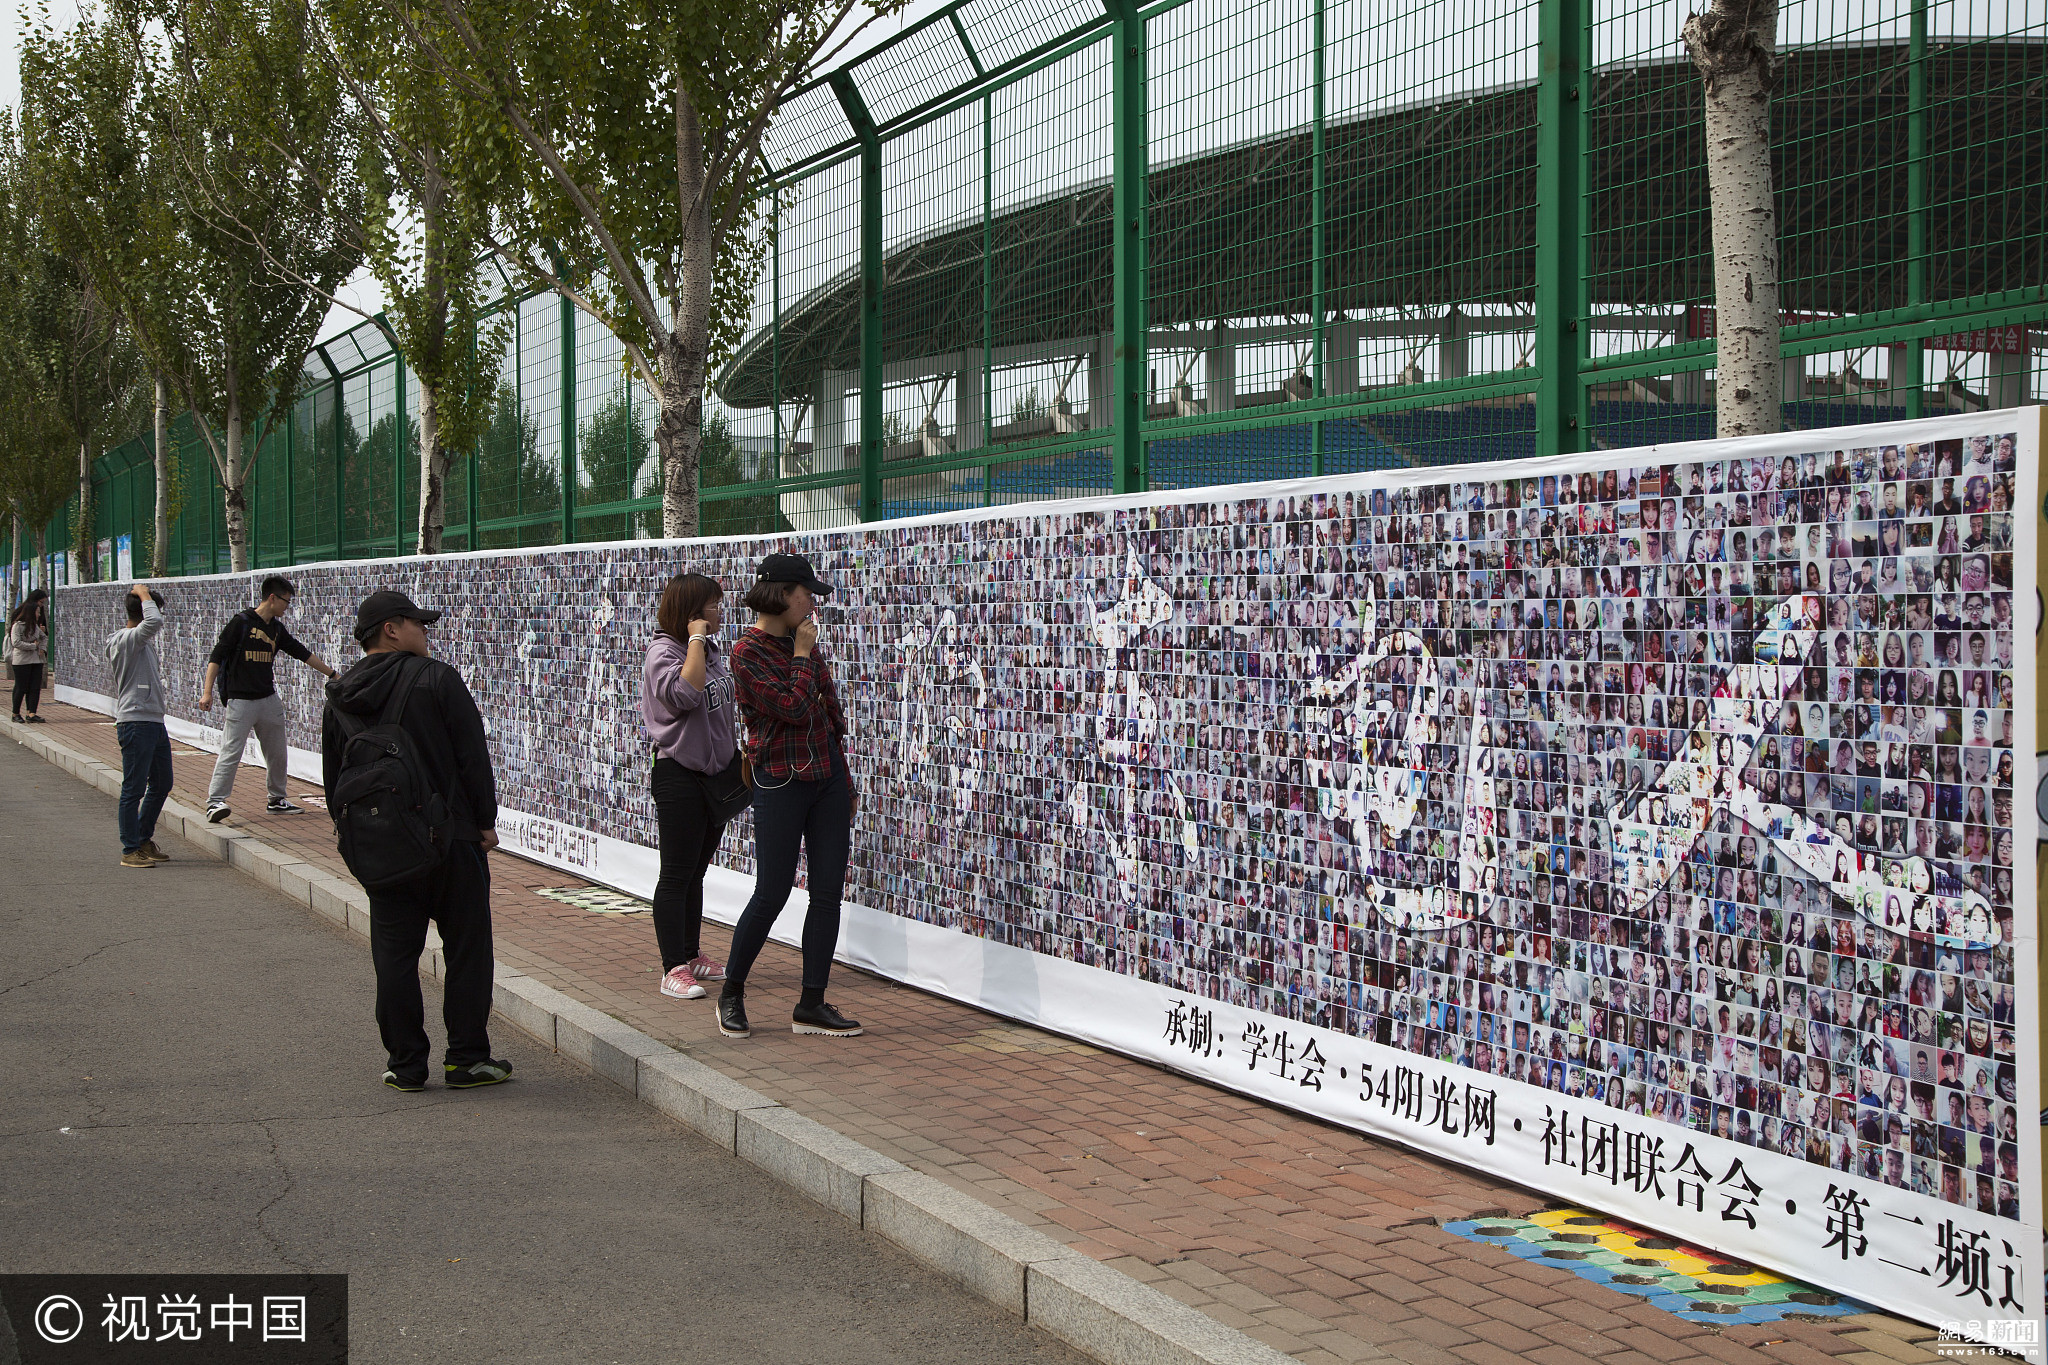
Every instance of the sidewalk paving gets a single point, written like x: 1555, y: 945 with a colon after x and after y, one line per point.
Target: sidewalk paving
x: 1320, y: 1241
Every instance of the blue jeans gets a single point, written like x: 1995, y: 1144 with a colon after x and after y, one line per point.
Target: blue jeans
x: 145, y: 779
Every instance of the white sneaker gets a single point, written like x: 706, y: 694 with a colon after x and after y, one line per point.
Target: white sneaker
x: 680, y: 985
x: 216, y: 812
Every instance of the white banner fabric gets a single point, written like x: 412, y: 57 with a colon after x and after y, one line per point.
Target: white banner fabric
x: 1638, y: 826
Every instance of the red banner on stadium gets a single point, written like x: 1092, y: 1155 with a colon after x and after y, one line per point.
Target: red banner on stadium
x: 1700, y: 320
x: 2008, y: 340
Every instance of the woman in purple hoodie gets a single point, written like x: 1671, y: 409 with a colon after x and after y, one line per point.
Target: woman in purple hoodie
x: 687, y: 704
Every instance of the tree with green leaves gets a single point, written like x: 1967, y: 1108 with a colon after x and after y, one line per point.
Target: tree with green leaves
x: 621, y: 154
x: 613, y: 450
x: 36, y: 477
x: 101, y: 186
x: 75, y: 355
x: 746, y: 516
x: 256, y: 150
x: 420, y: 234
x: 518, y: 476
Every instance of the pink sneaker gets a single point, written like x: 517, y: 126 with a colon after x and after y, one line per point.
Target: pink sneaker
x: 679, y: 984
x: 704, y: 969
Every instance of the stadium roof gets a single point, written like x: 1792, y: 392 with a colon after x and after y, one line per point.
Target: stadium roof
x: 1434, y: 204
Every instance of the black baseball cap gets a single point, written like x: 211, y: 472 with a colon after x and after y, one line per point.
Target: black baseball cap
x: 792, y: 569
x: 380, y: 607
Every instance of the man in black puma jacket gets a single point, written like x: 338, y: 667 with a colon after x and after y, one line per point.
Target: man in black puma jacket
x: 442, y: 720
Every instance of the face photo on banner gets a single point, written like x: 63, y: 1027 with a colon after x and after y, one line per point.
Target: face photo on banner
x: 1681, y: 792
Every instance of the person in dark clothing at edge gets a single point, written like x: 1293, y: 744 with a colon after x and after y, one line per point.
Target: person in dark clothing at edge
x: 803, y: 794
x: 441, y: 718
x: 241, y: 663
x: 27, y: 648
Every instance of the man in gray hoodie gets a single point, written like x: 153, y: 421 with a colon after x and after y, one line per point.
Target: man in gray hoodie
x: 139, y: 726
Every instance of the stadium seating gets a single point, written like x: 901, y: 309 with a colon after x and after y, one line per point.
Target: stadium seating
x: 1617, y: 426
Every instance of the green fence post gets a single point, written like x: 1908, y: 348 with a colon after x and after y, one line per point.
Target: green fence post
x: 1915, y: 358
x: 1318, y: 245
x: 988, y: 293
x: 469, y: 469
x: 568, y: 378
x: 1562, y: 410
x: 175, y: 564
x: 870, y: 293
x: 400, y: 438
x: 291, y: 485
x: 1127, y: 308
x: 774, y: 340
x: 252, y: 507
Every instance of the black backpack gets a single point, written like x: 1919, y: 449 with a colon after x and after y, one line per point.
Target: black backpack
x: 392, y: 822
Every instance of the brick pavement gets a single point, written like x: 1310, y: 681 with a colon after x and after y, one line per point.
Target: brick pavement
x: 1320, y: 1241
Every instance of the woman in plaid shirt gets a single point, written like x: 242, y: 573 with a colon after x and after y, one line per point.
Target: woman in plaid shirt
x: 803, y: 795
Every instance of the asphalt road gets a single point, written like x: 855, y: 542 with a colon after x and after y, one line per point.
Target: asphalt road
x: 192, y: 1084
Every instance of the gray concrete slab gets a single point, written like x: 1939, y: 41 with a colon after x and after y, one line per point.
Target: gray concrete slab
x: 192, y: 1086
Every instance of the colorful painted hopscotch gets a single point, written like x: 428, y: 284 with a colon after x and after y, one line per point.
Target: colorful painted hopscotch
x: 1697, y: 1285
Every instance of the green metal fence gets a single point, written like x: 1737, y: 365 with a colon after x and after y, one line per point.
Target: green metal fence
x: 1037, y: 248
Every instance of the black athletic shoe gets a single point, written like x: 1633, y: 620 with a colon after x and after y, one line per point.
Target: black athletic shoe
x: 217, y: 811
x: 732, y: 1015
x: 822, y: 1018
x: 406, y: 1083
x: 283, y: 808
x: 477, y: 1073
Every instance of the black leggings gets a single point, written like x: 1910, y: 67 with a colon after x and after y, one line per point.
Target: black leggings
x: 818, y: 816
x: 28, y: 682
x: 689, y: 838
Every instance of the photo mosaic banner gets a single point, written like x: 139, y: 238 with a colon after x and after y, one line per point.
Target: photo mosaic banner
x: 1640, y: 827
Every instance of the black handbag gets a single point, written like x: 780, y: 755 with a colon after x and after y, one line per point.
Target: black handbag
x: 730, y: 792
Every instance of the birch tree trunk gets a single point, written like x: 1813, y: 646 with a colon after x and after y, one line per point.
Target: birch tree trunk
x: 432, y: 372
x: 433, y: 472
x: 235, y: 496
x: 160, y: 531
x: 84, y: 535
x: 679, y: 431
x: 1734, y: 45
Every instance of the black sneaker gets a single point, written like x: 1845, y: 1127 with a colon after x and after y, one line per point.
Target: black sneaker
x: 732, y: 1015
x: 477, y: 1073
x: 216, y: 812
x: 406, y: 1083
x: 282, y: 807
x: 822, y: 1018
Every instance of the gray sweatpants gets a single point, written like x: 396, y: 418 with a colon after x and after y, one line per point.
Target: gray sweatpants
x: 265, y: 716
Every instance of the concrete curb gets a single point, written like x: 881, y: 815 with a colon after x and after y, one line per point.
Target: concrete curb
x: 1090, y: 1306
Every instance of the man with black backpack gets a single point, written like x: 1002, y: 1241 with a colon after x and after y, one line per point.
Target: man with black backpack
x: 415, y: 808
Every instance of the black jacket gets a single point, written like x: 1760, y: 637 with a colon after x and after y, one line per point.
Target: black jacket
x: 440, y: 715
x: 245, y: 650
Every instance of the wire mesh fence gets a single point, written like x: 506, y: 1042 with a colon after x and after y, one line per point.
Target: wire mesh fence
x: 1035, y: 249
